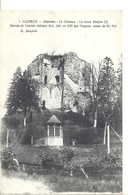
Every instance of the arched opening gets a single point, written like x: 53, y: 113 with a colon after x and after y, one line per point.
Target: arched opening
x: 45, y: 79
x: 45, y: 97
x: 44, y: 103
x: 57, y: 79
x: 83, y: 74
x: 56, y: 97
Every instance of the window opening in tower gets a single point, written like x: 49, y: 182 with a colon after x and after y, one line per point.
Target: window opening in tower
x: 83, y: 74
x: 45, y: 79
x: 44, y: 102
x: 57, y: 79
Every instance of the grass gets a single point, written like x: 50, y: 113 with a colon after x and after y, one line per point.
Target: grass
x: 108, y: 180
x: 77, y: 184
x: 59, y: 182
x: 30, y: 154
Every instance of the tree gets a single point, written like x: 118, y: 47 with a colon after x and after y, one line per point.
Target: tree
x: 13, y: 101
x: 94, y: 82
x: 29, y: 134
x: 117, y: 110
x: 28, y: 92
x: 119, y: 83
x: 107, y: 88
x: 22, y: 93
x: 103, y: 83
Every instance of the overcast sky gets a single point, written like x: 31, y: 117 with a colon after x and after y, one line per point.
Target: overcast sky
x: 90, y: 44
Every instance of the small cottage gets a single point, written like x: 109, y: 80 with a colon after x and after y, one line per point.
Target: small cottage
x: 54, y: 133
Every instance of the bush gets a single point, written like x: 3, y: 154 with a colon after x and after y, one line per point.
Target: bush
x: 33, y: 130
x: 11, y: 122
x: 82, y: 135
x: 54, y: 157
x: 9, y: 160
x: 111, y: 160
x: 78, y: 119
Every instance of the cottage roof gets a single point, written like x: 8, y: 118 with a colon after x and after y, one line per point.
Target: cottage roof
x: 54, y: 119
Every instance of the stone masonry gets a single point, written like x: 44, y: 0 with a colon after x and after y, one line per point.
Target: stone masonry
x: 63, y: 79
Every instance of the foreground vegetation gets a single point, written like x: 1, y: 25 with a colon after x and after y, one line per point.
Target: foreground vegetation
x: 59, y: 182
x: 104, y: 171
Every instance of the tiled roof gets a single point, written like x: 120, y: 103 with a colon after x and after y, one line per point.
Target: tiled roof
x: 53, y: 119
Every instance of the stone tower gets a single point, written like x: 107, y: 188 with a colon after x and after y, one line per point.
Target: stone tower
x: 64, y: 80
x: 48, y: 70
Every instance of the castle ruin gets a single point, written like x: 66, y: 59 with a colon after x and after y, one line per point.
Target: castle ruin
x: 64, y: 81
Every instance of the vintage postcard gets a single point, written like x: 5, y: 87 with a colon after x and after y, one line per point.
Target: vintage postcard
x: 61, y: 102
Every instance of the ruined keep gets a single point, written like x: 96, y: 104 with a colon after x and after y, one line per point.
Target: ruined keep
x: 64, y: 81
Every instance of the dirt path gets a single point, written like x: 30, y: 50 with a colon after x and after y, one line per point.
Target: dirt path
x: 16, y: 185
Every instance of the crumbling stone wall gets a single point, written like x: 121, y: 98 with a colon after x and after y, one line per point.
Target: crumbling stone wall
x: 50, y: 71
x: 77, y: 70
x: 50, y: 77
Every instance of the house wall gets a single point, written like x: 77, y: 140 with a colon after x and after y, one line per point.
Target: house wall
x: 53, y: 141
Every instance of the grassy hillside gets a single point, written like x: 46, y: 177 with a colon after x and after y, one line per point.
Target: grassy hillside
x: 75, y: 127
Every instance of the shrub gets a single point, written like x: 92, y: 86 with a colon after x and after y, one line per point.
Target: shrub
x: 11, y: 122
x: 82, y: 135
x: 111, y: 160
x: 8, y: 160
x: 33, y: 130
x: 52, y: 157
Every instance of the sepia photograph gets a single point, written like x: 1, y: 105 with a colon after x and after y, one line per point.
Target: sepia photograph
x: 61, y: 102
